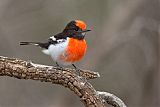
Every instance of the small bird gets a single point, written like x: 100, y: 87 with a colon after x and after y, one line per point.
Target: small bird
x: 66, y: 47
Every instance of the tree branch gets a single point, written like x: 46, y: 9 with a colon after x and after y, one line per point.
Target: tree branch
x: 66, y: 77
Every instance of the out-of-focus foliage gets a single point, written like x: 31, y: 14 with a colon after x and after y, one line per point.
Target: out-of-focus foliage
x: 123, y: 47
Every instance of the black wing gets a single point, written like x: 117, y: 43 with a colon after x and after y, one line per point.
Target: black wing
x: 54, y: 40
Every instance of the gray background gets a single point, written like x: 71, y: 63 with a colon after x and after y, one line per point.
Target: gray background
x: 123, y: 47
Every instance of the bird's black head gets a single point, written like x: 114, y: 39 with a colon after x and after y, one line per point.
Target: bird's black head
x: 76, y: 29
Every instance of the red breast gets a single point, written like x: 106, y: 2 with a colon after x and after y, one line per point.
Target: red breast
x: 75, y: 50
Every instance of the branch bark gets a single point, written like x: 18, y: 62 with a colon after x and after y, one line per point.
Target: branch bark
x: 66, y: 77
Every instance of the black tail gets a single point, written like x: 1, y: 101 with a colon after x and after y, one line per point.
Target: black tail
x: 29, y: 43
x: 42, y: 45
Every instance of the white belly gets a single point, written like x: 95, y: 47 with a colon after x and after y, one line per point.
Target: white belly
x: 56, y: 50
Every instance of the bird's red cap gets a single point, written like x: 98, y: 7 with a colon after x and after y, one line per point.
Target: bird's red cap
x: 80, y: 24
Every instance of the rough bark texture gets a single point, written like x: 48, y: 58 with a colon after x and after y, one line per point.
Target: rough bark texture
x: 66, y: 77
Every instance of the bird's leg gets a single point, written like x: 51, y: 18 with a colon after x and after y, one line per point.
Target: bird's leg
x: 77, y: 69
x: 57, y: 64
x: 61, y: 68
x: 78, y: 73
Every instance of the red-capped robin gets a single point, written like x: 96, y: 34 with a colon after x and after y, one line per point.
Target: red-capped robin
x: 66, y: 47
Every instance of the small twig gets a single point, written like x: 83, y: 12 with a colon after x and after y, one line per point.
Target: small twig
x: 111, y: 99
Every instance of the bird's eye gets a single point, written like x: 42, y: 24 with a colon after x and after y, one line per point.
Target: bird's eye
x: 76, y: 29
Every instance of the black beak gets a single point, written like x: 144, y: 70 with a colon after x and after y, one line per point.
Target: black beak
x: 86, y: 30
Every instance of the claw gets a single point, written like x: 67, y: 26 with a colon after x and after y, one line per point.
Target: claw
x: 77, y: 70
x: 59, y: 67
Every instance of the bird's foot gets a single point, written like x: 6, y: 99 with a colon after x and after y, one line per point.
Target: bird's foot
x: 77, y: 69
x: 58, y: 66
x: 83, y: 79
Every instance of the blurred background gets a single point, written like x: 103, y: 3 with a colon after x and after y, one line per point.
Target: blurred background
x: 123, y: 47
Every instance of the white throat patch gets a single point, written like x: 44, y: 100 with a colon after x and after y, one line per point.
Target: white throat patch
x: 84, y: 33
